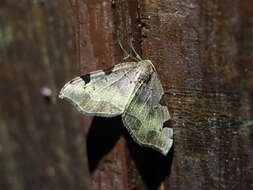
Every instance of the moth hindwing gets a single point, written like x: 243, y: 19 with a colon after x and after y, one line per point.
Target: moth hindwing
x: 130, y: 89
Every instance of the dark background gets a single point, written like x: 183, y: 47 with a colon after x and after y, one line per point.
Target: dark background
x: 203, y: 53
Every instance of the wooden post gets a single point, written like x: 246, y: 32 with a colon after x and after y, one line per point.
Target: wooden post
x: 202, y: 51
x: 42, y: 142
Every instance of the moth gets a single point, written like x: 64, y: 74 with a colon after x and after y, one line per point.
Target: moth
x: 129, y: 89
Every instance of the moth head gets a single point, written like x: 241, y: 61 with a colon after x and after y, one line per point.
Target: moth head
x: 147, y: 63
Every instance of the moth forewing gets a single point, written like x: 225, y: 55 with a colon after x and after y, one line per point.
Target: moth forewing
x: 106, y: 92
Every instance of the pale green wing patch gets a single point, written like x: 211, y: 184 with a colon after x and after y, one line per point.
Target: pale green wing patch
x: 146, y: 114
x: 104, y: 92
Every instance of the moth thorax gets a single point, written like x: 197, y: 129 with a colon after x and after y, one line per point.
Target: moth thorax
x: 148, y: 65
x: 144, y: 76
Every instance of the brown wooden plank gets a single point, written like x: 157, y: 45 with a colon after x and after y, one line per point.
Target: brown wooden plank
x: 42, y: 142
x: 99, y: 25
x: 198, y: 48
x: 202, y: 52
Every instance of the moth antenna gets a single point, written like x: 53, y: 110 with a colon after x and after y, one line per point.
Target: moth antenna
x: 136, y: 54
x: 124, y: 51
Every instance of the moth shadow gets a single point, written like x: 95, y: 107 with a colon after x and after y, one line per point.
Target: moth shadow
x: 153, y: 167
x: 102, y: 137
x: 104, y: 133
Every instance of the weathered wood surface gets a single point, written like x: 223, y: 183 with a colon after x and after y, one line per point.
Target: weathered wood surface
x: 42, y: 142
x: 203, y: 53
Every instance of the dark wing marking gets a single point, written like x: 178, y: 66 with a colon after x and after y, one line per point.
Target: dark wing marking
x: 86, y: 78
x: 145, y: 116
